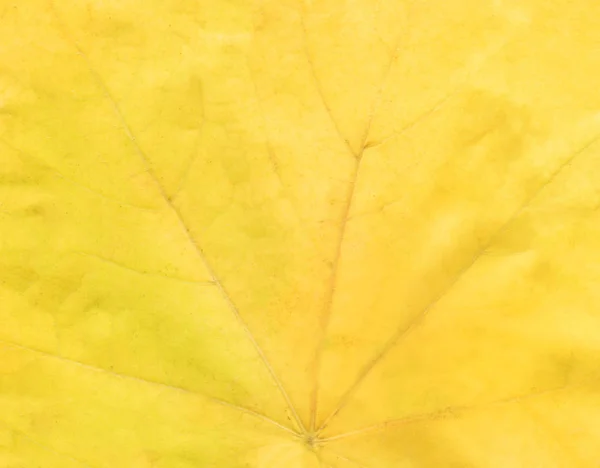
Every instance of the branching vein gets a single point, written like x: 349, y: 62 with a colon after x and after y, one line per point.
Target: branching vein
x: 184, y: 226
x: 319, y: 88
x: 402, y: 331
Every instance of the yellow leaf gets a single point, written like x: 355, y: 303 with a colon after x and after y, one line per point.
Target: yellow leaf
x: 299, y: 233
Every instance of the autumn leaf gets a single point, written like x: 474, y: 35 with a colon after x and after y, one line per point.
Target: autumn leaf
x: 299, y: 234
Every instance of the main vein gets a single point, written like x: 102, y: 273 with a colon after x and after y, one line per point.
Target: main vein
x: 325, y: 316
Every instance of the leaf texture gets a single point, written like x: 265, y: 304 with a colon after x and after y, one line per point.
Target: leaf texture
x: 299, y: 233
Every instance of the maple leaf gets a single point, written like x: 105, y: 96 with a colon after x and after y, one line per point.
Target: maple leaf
x: 301, y: 234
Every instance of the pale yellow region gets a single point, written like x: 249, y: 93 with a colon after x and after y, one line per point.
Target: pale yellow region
x: 299, y: 233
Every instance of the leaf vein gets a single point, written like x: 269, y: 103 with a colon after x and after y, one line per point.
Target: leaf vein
x: 328, y: 304
x: 455, y: 411
x: 142, y: 380
x: 320, y: 92
x: 109, y: 261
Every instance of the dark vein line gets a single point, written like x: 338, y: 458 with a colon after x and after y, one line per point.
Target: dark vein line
x: 44, y: 446
x: 406, y: 128
x: 349, y: 460
x: 98, y: 369
x: 100, y: 194
x: 327, y: 306
x: 273, y: 159
x: 419, y: 119
x: 140, y: 272
x: 453, y: 411
x: 418, y: 318
x: 161, y: 190
x: 319, y: 88
x: 189, y: 162
x: 269, y: 147
x: 183, y: 177
x: 365, y: 145
x: 416, y: 121
x: 333, y: 278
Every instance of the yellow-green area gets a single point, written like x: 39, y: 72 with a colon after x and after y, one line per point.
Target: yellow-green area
x: 299, y: 233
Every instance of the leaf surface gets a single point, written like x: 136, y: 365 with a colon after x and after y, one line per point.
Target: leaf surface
x: 304, y: 234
